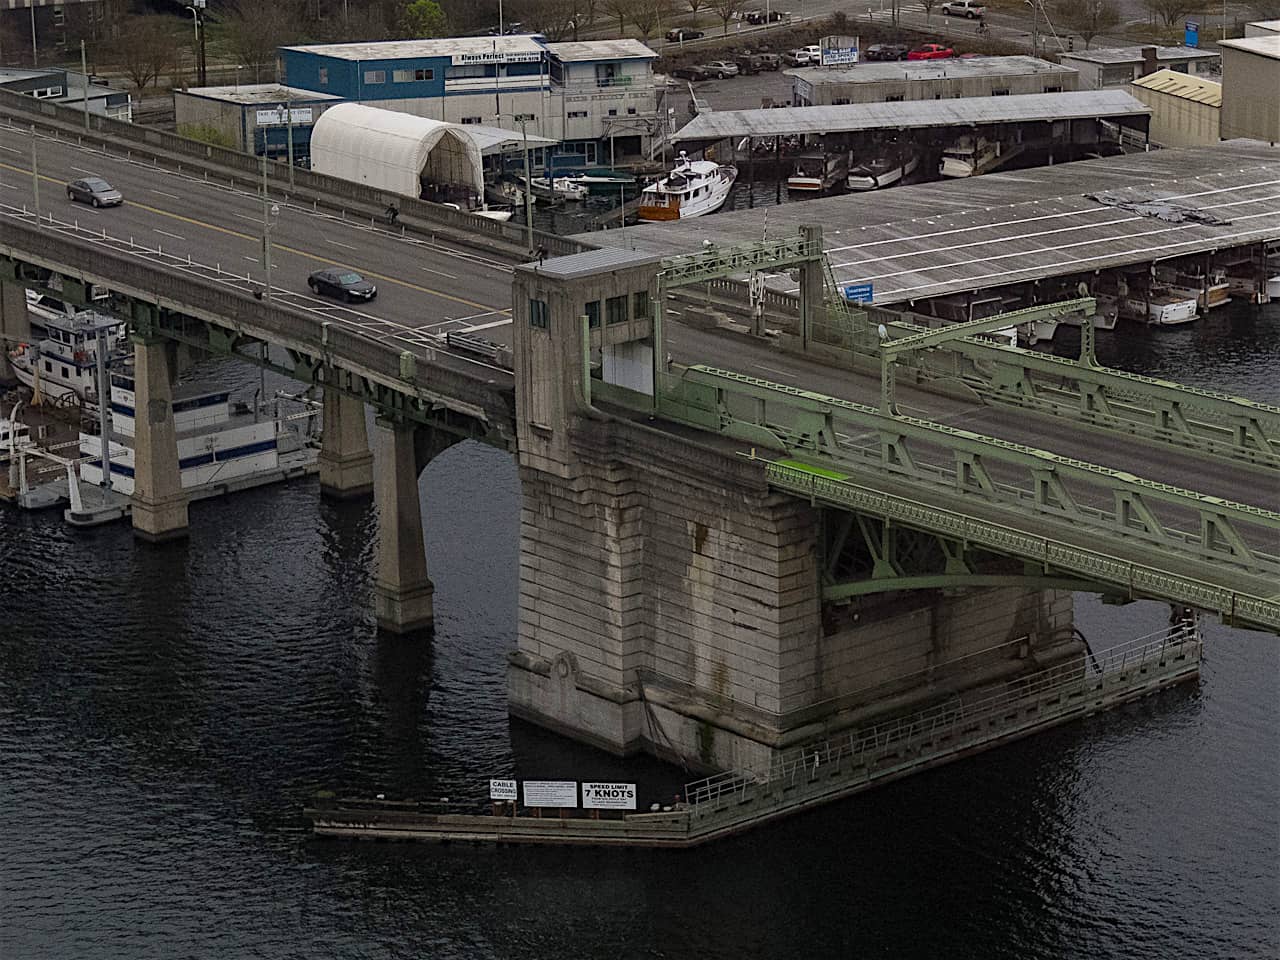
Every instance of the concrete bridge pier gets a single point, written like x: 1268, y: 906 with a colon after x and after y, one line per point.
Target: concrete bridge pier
x: 403, y: 591
x: 346, y: 463
x: 159, y: 504
x: 15, y: 326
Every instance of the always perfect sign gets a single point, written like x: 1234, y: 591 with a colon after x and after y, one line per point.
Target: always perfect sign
x: 609, y: 796
x: 551, y: 793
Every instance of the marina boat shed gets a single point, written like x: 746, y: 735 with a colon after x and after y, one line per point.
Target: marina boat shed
x: 1113, y: 105
x: 397, y: 152
x: 1027, y: 226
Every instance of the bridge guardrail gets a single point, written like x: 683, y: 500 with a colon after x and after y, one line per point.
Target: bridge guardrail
x: 106, y: 131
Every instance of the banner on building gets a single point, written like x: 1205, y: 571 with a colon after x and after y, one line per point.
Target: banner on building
x: 277, y: 117
x: 609, y: 796
x: 839, y: 51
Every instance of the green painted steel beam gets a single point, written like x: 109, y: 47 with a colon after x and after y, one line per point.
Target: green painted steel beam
x: 1085, y: 306
x: 716, y: 262
x: 1126, y: 576
x: 957, y: 581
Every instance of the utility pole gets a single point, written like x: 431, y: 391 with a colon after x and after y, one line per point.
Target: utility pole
x: 288, y: 112
x: 35, y: 53
x: 528, y: 189
x: 84, y: 68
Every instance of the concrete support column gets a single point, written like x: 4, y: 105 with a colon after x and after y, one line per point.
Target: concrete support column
x: 346, y: 463
x: 15, y: 326
x: 402, y: 592
x: 159, y: 505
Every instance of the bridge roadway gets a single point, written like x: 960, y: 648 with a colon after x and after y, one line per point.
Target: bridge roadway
x: 426, y: 289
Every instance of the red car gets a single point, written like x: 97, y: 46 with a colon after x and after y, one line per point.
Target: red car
x: 931, y: 51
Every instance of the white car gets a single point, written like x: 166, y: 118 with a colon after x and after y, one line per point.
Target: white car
x: 721, y: 69
x: 969, y: 9
x: 801, y: 56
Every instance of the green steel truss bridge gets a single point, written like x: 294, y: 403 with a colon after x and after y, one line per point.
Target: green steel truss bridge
x: 908, y: 502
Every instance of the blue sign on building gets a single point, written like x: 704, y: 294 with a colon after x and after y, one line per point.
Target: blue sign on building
x: 1191, y: 34
x: 858, y: 292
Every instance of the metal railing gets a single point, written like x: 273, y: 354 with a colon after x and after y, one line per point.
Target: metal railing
x: 949, y: 726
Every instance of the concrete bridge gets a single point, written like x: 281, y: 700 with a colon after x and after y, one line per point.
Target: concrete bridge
x: 715, y: 564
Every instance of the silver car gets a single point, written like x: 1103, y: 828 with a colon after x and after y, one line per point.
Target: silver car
x: 94, y: 191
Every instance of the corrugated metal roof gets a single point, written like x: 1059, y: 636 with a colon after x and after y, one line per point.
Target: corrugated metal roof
x: 622, y: 49
x: 955, y: 68
x: 922, y: 241
x: 1262, y: 46
x: 960, y: 111
x: 1183, y: 86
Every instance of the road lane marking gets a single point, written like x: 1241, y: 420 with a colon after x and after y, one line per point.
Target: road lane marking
x: 168, y: 234
x: 10, y: 149
x: 485, y: 326
x: 439, y: 273
x: 90, y: 173
x: 339, y: 243
x: 257, y: 239
x: 781, y: 373
x: 171, y: 196
x: 252, y: 259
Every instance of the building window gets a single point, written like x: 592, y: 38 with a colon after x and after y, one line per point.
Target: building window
x: 593, y: 314
x: 615, y: 310
x: 839, y: 101
x: 466, y: 70
x: 896, y: 98
x: 573, y: 114
x: 525, y: 116
x: 631, y: 111
x: 410, y: 76
x: 66, y: 374
x: 640, y: 305
x: 471, y: 120
x: 48, y: 367
x: 538, y: 314
x: 1052, y: 89
x: 1002, y: 92
x: 375, y: 76
x: 613, y: 113
x: 323, y: 76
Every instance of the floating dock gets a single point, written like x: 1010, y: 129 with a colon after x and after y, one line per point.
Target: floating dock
x: 818, y: 773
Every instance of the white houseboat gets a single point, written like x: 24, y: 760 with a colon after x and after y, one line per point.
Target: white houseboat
x: 693, y: 188
x: 62, y: 366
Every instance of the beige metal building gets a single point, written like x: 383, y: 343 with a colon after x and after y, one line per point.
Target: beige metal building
x: 928, y: 80
x: 1251, y: 88
x: 1184, y: 110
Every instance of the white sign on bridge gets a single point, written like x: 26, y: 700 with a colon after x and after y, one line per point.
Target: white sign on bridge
x: 551, y: 793
x: 609, y: 796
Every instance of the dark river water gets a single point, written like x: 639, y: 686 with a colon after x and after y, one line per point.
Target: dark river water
x: 165, y: 712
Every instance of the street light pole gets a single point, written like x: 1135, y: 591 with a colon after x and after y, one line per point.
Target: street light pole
x: 84, y: 68
x: 288, y: 109
x: 35, y: 53
x: 269, y: 212
x: 35, y: 174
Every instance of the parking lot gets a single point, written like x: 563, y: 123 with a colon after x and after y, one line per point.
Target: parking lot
x: 735, y: 93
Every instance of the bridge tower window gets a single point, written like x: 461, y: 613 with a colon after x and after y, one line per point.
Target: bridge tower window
x: 615, y: 310
x: 538, y: 315
x: 593, y: 314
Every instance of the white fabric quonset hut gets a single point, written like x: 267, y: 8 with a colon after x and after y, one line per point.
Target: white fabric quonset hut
x: 395, y: 151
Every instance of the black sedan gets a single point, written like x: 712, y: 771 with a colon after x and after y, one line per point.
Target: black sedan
x: 94, y: 191
x: 343, y: 284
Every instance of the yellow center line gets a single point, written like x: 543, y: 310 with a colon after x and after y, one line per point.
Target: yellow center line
x: 288, y: 249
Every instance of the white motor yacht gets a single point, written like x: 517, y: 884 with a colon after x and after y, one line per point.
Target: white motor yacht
x: 883, y: 171
x: 818, y: 173
x: 693, y: 188
x: 1162, y: 307
x: 968, y: 156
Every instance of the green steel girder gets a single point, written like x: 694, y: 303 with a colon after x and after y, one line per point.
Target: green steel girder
x: 1249, y: 602
x: 1209, y: 422
x: 1085, y: 306
x: 717, y: 262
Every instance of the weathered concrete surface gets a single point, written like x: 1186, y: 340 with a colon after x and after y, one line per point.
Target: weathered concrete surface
x: 345, y: 461
x: 402, y: 591
x: 159, y: 503
x: 15, y: 326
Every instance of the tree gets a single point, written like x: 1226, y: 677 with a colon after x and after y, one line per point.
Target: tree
x: 647, y: 15
x: 256, y: 30
x: 555, y: 18
x: 422, y: 19
x: 726, y: 10
x: 1087, y: 18
x: 1171, y: 11
x: 620, y: 9
x: 1266, y: 9
x: 928, y: 9
x: 147, y: 46
x: 694, y: 5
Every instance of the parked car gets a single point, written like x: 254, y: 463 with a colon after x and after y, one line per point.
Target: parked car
x: 761, y: 16
x: 801, y: 56
x: 969, y: 9
x: 887, y: 51
x: 680, y: 34
x: 691, y: 73
x: 721, y: 69
x: 94, y: 191
x: 343, y: 284
x: 931, y: 51
x: 750, y: 63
